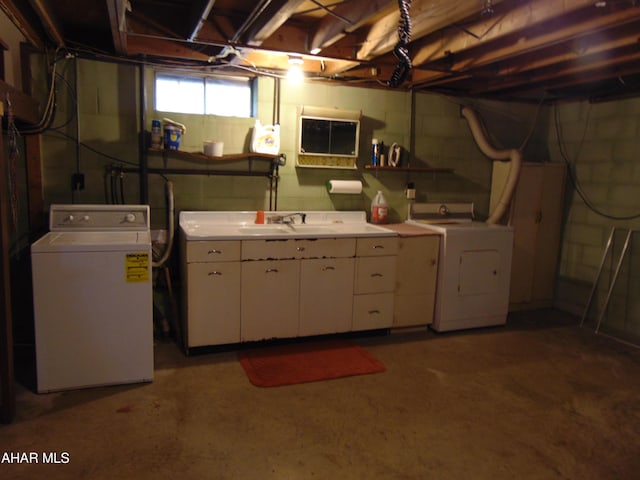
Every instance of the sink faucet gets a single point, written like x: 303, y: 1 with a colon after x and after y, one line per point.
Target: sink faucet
x: 287, y: 218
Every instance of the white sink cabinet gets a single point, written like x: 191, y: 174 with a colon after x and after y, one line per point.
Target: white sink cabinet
x: 211, y: 292
x: 268, y: 283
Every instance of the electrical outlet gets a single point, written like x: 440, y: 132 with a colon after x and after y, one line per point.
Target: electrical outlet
x: 77, y: 181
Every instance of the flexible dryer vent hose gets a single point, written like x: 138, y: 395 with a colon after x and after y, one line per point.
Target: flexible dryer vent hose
x: 515, y: 156
x: 170, y: 226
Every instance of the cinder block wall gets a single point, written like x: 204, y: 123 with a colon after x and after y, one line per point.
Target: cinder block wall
x: 601, y: 142
x: 108, y: 98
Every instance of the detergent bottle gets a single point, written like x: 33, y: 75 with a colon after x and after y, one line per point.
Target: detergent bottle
x: 379, y: 209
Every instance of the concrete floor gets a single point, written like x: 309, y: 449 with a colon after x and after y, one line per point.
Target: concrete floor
x: 538, y: 399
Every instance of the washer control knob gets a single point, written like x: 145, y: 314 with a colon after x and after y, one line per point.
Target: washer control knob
x: 85, y: 218
x: 130, y: 218
x: 70, y: 218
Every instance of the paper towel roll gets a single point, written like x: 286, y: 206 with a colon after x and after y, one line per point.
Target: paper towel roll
x: 344, y: 186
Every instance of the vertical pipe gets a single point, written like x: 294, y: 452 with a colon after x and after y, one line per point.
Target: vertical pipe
x: 74, y: 187
x: 142, y: 153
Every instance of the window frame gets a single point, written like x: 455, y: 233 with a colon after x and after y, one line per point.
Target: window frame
x: 250, y: 79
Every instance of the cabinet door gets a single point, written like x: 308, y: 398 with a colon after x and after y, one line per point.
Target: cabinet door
x: 269, y: 293
x: 549, y: 232
x: 417, y: 271
x: 417, y: 264
x: 525, y: 220
x: 213, y: 303
x: 326, y: 294
x: 537, y: 223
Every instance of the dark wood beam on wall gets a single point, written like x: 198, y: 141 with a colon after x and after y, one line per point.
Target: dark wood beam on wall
x: 7, y: 375
x: 51, y: 25
x: 20, y: 21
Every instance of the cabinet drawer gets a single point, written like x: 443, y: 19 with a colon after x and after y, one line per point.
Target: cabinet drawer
x: 269, y: 249
x: 298, y: 248
x: 326, y: 248
x: 213, y: 251
x: 376, y: 246
x: 372, y: 311
x: 375, y: 274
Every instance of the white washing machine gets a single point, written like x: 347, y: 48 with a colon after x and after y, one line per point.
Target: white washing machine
x: 92, y: 296
x: 474, y: 266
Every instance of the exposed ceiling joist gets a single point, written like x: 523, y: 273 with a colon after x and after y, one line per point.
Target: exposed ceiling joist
x: 427, y: 16
x: 199, y: 13
x: 536, y: 38
x: 117, y: 22
x: 515, y: 49
x: 48, y: 20
x: 347, y: 18
x: 20, y: 21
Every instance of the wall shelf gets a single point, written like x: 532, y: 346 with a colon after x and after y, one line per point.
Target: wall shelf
x: 257, y: 164
x: 409, y: 169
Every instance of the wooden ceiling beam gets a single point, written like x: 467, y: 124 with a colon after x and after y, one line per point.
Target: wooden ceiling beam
x: 117, y: 22
x: 19, y: 20
x: 162, y: 48
x: 587, y: 71
x: 199, y: 13
x: 427, y: 16
x: 43, y: 10
x: 522, y: 42
x: 346, y: 18
x: 272, y: 17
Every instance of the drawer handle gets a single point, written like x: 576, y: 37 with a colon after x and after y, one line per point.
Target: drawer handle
x: 328, y: 268
x: 376, y: 275
x: 300, y: 249
x: 215, y: 273
x: 271, y: 270
x: 374, y: 312
x: 213, y: 251
x: 378, y: 246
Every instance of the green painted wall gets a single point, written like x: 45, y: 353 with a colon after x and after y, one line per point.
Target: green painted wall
x: 108, y: 97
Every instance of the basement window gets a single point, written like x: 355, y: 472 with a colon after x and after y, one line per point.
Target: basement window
x: 204, y: 95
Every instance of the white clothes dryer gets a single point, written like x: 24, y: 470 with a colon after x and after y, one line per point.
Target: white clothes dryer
x: 474, y: 267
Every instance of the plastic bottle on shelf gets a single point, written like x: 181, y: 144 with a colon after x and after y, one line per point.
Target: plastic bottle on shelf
x: 379, y: 209
x: 156, y: 135
x: 375, y: 152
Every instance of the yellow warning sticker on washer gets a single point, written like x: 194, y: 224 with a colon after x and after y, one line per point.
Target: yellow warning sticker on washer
x: 136, y: 267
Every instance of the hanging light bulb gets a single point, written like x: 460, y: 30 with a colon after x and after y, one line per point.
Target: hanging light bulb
x: 295, y: 75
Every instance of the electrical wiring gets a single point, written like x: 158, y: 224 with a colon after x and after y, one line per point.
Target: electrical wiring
x: 400, y: 51
x: 90, y: 148
x: 571, y: 169
x: 49, y: 110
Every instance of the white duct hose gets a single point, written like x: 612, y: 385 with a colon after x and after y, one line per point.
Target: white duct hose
x: 515, y: 156
x: 170, y: 227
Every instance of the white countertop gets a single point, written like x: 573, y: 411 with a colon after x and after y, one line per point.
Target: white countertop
x: 242, y: 226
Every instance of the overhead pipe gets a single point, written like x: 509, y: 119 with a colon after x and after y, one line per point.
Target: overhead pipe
x: 514, y: 155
